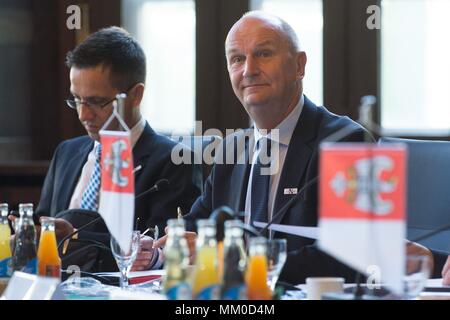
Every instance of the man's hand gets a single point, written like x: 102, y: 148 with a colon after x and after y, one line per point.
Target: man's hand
x: 145, y: 254
x: 191, y: 238
x: 413, y: 248
x: 446, y: 273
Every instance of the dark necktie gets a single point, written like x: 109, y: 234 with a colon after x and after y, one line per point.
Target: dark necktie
x: 260, y: 183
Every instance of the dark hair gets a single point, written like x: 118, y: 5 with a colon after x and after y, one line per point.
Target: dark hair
x: 113, y: 47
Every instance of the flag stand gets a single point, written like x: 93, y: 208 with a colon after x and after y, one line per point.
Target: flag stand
x: 116, y: 204
x: 118, y: 109
x: 361, y: 210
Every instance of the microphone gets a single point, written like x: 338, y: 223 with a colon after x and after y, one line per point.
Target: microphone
x: 335, y: 136
x: 365, y: 119
x: 69, y: 236
x: 287, y: 205
x: 224, y: 213
x: 220, y: 215
x: 96, y: 244
x: 158, y: 186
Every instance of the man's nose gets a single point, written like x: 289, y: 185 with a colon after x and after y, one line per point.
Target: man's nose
x: 85, y: 112
x: 251, y: 67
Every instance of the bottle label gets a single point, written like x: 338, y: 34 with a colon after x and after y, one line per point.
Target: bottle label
x: 6, y: 268
x: 31, y: 267
x: 181, y: 291
x: 209, y: 293
x: 52, y: 271
x: 235, y: 293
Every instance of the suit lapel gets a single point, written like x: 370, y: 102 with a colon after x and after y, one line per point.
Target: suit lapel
x: 71, y: 174
x: 72, y: 168
x: 141, y: 150
x: 298, y: 156
x: 239, y: 179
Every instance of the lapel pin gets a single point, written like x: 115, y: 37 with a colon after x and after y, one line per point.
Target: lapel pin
x: 290, y: 190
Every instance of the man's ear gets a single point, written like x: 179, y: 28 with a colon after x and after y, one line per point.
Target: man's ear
x: 136, y: 94
x: 301, y: 64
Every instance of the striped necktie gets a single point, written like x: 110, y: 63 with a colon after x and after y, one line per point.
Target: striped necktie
x: 90, y: 195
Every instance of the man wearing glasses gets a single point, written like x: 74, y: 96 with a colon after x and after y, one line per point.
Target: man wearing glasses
x: 109, y: 62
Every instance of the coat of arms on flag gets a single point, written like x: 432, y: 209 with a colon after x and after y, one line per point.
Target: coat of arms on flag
x: 117, y: 187
x: 362, y: 207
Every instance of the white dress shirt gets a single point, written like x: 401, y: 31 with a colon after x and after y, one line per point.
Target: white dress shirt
x: 285, y: 131
x: 86, y: 172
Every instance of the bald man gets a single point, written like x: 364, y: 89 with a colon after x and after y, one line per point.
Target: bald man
x: 258, y: 170
x: 266, y: 68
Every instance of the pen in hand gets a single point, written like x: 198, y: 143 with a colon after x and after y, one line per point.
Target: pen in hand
x: 179, y: 213
x: 155, y: 234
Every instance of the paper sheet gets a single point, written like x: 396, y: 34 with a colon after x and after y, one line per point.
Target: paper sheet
x: 307, y: 232
x: 134, y: 274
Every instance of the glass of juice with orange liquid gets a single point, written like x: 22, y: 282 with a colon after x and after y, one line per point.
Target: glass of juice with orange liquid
x: 256, y: 275
x: 49, y: 263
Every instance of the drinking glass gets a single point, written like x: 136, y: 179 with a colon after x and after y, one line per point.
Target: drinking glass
x: 125, y: 258
x: 416, y: 275
x: 276, y: 257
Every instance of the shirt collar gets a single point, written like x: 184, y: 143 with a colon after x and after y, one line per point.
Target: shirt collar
x: 286, y: 127
x: 136, y: 132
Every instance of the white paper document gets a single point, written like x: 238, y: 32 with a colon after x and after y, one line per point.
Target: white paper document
x: 134, y: 274
x: 307, y: 232
x: 436, y: 283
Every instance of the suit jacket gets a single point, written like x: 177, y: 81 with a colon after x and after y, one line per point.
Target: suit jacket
x: 227, y: 185
x: 152, y: 152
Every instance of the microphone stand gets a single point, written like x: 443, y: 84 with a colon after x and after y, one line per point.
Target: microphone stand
x: 287, y: 205
x: 96, y: 244
x: 70, y: 235
x: 366, y: 119
x: 158, y: 186
x: 334, y: 137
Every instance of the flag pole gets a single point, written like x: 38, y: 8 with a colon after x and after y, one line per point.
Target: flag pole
x: 118, y: 112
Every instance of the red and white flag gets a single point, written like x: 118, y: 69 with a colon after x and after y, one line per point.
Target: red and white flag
x: 362, y: 208
x: 117, y: 185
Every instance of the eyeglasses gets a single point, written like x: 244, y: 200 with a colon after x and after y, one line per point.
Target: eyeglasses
x: 93, y: 105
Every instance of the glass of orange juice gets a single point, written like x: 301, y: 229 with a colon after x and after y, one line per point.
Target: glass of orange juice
x: 49, y: 263
x: 256, y: 275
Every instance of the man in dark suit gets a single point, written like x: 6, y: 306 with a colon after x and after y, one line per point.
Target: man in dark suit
x: 109, y: 62
x: 266, y: 69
